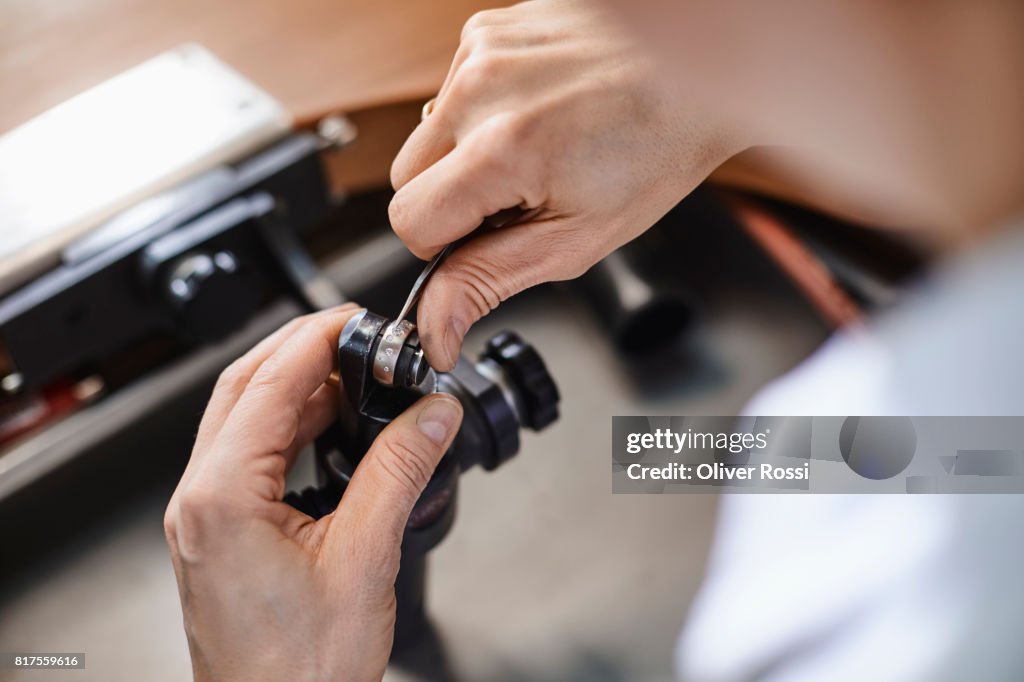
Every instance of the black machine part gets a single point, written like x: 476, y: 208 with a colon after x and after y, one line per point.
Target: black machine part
x: 634, y: 295
x: 508, y: 388
x: 191, y: 263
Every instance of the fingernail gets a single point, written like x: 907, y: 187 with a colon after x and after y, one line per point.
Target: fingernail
x: 453, y: 335
x: 440, y: 418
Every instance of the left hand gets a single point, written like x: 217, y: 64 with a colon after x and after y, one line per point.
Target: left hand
x: 267, y: 592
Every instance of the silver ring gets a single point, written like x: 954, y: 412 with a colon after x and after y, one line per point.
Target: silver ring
x: 388, y: 350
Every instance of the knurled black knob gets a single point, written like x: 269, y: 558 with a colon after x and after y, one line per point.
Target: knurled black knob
x: 209, y: 296
x: 529, y: 376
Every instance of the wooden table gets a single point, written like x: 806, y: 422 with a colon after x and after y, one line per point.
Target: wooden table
x: 377, y: 60
x: 313, y: 55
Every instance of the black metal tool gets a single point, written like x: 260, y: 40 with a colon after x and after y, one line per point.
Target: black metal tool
x: 506, y: 389
x: 190, y: 265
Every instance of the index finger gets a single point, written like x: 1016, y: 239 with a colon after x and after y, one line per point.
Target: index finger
x: 267, y: 415
x: 429, y: 142
x: 235, y: 377
x: 452, y: 197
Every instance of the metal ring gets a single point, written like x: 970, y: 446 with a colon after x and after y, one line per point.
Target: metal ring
x: 428, y: 108
x: 388, y: 350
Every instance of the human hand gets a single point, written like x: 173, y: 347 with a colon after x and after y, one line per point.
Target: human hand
x: 547, y: 108
x: 267, y: 592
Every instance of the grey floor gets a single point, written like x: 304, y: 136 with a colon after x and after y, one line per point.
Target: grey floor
x: 546, y: 575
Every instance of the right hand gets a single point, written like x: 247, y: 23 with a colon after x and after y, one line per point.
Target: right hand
x: 547, y: 108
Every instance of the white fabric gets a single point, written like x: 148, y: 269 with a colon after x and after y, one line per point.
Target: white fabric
x: 882, y: 587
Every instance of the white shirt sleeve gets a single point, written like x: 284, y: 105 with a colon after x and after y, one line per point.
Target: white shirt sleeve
x: 881, y: 587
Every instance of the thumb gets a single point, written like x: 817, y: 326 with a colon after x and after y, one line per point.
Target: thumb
x: 389, y: 480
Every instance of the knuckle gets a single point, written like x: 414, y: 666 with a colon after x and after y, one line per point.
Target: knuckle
x: 512, y: 128
x: 293, y: 324
x: 571, y: 269
x: 476, y: 22
x: 404, y: 228
x: 499, y: 145
x: 398, y: 173
x: 477, y: 74
x: 570, y: 253
x: 186, y: 521
x: 171, y: 521
x: 375, y: 562
x: 486, y: 37
x: 265, y: 381
x: 404, y: 166
x: 279, y: 433
x: 232, y: 379
x: 193, y: 504
x: 407, y: 461
x: 397, y: 215
x: 504, y: 149
x: 374, y: 568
